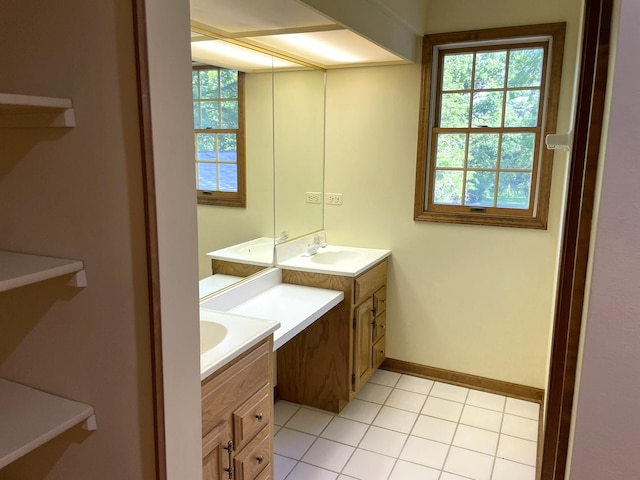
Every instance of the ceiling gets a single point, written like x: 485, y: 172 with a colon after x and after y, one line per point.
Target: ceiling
x: 288, y: 28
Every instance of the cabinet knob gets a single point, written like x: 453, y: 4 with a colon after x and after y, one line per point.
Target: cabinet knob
x: 260, y: 459
x: 259, y: 417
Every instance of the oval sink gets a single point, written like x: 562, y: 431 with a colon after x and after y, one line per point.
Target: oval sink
x: 211, y: 334
x: 333, y: 258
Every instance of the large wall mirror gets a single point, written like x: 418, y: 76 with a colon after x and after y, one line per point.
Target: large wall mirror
x: 284, y: 106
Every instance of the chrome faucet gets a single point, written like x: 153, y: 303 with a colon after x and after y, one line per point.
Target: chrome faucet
x: 318, y: 243
x: 284, y: 236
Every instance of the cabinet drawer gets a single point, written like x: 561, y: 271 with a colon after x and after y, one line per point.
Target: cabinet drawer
x: 224, y: 392
x: 265, y: 475
x: 252, y: 416
x: 380, y: 300
x: 378, y: 352
x: 255, y: 457
x: 369, y: 282
x: 381, y: 327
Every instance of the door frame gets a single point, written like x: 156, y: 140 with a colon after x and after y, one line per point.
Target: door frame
x: 575, y: 241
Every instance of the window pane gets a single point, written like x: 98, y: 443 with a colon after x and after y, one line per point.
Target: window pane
x: 206, y: 146
x: 522, y: 108
x: 229, y: 114
x: 487, y: 109
x: 207, y: 178
x: 514, y: 190
x: 227, y: 147
x: 450, y: 150
x: 525, y: 67
x: 517, y: 150
x: 483, y: 150
x: 209, y: 115
x: 448, y: 187
x: 228, y: 177
x: 455, y: 110
x: 480, y: 189
x: 194, y: 83
x: 196, y: 115
x: 490, y: 69
x: 228, y: 84
x: 208, y: 83
x: 456, y: 73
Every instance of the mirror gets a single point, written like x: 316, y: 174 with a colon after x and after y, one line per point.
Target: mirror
x: 299, y: 151
x: 284, y: 142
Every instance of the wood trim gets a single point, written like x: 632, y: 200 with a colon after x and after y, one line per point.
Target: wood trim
x: 151, y: 229
x: 490, y: 385
x: 577, y: 236
x: 540, y: 192
x: 239, y: 198
x: 235, y: 269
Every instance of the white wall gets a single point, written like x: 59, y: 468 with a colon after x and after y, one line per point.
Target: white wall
x: 172, y: 119
x: 607, y: 423
x: 472, y: 299
x: 78, y: 193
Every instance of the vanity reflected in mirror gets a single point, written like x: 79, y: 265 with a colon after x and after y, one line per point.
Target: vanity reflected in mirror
x: 283, y: 115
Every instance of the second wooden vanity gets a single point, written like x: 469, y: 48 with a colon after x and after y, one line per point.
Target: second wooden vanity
x: 326, y: 364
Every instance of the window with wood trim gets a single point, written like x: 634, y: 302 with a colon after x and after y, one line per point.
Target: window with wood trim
x: 219, y: 135
x: 489, y: 97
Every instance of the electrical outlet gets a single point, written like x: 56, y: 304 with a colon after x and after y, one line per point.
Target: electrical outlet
x: 334, y: 199
x: 314, y: 197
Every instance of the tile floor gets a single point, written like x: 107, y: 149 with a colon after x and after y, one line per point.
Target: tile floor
x: 401, y: 427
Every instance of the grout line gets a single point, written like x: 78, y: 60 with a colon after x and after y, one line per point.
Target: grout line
x: 357, y: 447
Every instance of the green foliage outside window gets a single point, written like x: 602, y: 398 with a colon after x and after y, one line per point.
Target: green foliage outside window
x: 487, y: 89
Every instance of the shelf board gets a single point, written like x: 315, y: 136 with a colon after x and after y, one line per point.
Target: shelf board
x: 19, y: 269
x: 30, y: 417
x: 32, y: 111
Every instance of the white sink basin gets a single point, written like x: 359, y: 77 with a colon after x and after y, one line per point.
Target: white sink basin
x: 211, y: 334
x: 224, y: 336
x: 335, y: 258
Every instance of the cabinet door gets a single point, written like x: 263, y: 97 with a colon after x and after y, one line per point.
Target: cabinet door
x: 363, y: 362
x: 215, y: 453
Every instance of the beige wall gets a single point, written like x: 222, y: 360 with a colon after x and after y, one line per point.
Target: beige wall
x: 471, y: 299
x: 77, y: 193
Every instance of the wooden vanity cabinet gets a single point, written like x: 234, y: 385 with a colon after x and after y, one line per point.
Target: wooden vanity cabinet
x: 326, y: 365
x: 235, y: 269
x: 237, y: 418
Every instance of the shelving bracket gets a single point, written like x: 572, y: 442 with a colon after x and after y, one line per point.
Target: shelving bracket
x: 90, y: 424
x: 79, y: 279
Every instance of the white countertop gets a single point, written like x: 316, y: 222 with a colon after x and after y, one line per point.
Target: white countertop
x: 258, y: 251
x: 214, y: 283
x: 335, y: 260
x: 294, y: 306
x: 254, y: 309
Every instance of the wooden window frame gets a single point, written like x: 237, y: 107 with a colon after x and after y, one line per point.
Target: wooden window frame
x: 215, y: 197
x: 537, y: 213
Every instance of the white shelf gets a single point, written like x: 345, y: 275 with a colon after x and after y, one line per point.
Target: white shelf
x: 30, y: 417
x: 19, y: 269
x: 31, y: 111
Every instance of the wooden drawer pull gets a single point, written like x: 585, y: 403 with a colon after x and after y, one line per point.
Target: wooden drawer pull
x: 259, y: 417
x: 260, y: 459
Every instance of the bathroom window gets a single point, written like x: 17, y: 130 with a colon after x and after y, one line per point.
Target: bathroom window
x: 218, y: 115
x: 489, y: 98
